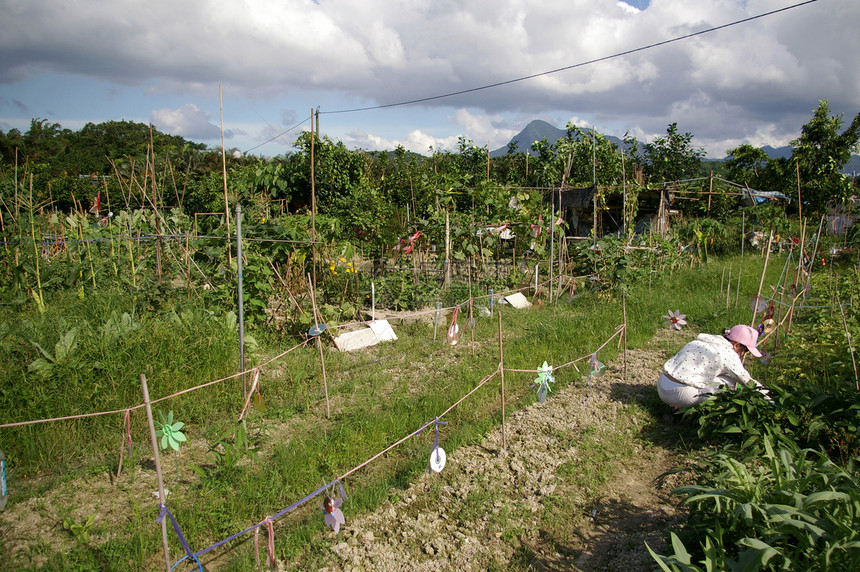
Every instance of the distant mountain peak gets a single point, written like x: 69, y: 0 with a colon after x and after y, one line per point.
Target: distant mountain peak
x: 538, y: 130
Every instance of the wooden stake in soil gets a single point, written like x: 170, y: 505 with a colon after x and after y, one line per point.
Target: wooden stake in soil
x: 161, y: 497
x: 502, y: 374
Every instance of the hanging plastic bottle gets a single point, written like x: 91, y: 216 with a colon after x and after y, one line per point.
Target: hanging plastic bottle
x: 5, y: 494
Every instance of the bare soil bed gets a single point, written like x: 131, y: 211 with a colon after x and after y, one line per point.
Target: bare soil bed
x: 519, y: 507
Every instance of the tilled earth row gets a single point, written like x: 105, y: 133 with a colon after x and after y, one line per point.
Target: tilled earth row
x: 490, y: 506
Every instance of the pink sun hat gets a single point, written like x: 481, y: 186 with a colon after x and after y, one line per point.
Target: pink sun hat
x: 745, y: 335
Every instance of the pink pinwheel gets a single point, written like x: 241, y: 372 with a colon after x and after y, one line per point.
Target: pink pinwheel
x: 333, y: 514
x: 675, y: 319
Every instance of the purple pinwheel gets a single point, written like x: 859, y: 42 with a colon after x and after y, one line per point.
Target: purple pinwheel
x: 675, y: 319
x: 333, y: 514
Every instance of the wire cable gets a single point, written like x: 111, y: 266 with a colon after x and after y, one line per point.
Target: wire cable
x: 570, y: 67
x: 299, y: 124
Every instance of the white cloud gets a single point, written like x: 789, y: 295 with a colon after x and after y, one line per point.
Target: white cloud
x: 188, y: 121
x: 757, y: 79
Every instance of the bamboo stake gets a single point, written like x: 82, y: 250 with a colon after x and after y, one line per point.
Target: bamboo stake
x: 761, y: 283
x: 161, y: 496
x: 740, y: 269
x: 471, y: 312
x: 624, y: 315
x: 729, y: 288
x: 313, y: 203
x: 319, y: 345
x: 799, y: 201
x: 40, y: 300
x: 808, y: 276
x: 850, y: 346
x: 224, y: 174
x: 502, y: 374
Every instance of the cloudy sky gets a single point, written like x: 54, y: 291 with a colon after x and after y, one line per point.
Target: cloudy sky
x: 159, y: 61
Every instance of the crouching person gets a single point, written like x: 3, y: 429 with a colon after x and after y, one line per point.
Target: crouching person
x: 706, y: 365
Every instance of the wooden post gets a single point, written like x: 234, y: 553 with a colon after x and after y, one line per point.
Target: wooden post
x: 161, y: 497
x: 502, y: 374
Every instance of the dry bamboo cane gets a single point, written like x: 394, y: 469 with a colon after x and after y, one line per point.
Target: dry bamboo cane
x: 319, y: 345
x: 624, y: 316
x: 786, y: 317
x: 729, y: 288
x: 850, y: 345
x: 471, y: 313
x: 761, y: 282
x: 502, y: 374
x: 161, y: 496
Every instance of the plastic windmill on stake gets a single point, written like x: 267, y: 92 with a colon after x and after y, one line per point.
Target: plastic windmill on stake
x: 437, y: 455
x: 453, y: 335
x: 675, y: 320
x: 333, y: 516
x: 170, y: 432
x: 543, y: 380
x: 595, y: 369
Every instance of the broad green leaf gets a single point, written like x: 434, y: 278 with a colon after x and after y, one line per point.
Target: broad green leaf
x: 41, y: 367
x: 680, y: 550
x: 757, y: 556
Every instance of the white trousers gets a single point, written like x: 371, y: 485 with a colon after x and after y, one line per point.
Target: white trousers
x: 681, y: 396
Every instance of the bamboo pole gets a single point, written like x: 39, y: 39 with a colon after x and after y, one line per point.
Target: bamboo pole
x: 502, y: 374
x: 761, y: 282
x: 710, y: 191
x: 154, y: 202
x: 239, y: 298
x: 161, y: 496
x: 624, y: 316
x: 471, y: 311
x: 313, y: 204
x: 740, y: 268
x: 729, y: 288
x: 319, y: 345
x: 850, y: 345
x: 799, y: 201
x: 224, y: 174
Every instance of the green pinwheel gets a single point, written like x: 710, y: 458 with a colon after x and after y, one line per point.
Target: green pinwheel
x: 170, y: 432
x: 543, y: 380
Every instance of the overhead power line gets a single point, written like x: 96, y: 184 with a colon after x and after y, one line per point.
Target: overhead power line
x: 570, y: 67
x: 281, y: 134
